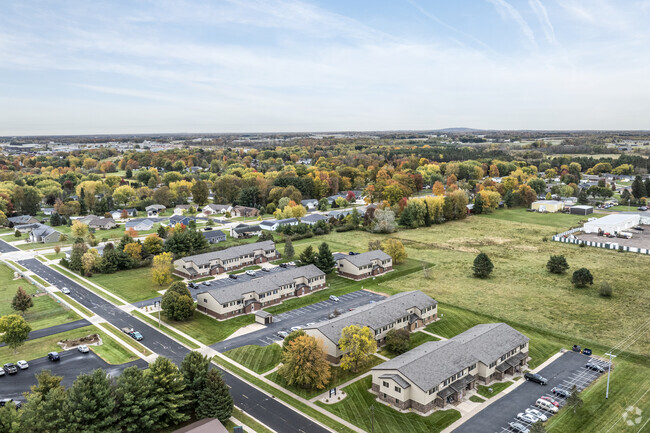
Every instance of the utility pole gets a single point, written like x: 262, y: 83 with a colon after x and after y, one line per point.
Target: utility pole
x: 609, y: 368
x: 372, y: 418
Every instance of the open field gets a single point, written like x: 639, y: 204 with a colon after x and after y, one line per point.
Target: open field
x: 132, y: 285
x: 46, y: 311
x: 356, y: 409
x: 257, y: 358
x: 110, y: 350
x: 209, y: 330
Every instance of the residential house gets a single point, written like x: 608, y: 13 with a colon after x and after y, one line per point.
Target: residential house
x: 26, y: 228
x: 218, y: 262
x: 182, y: 208
x: 313, y: 218
x: 310, y: 204
x: 180, y: 219
x: 213, y: 236
x: 245, y: 231
x: 154, y: 209
x: 101, y: 223
x: 252, y: 295
x: 406, y: 310
x: 243, y: 211
x: 23, y: 219
x: 139, y: 224
x: 364, y: 265
x: 48, y: 210
x: 273, y: 225
x: 117, y: 214
x: 438, y: 373
x: 212, y: 209
x: 44, y: 234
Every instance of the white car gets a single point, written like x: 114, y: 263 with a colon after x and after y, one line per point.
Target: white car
x: 65, y: 290
x: 310, y: 324
x: 2, y: 372
x: 334, y: 298
x: 537, y: 414
x: 296, y: 328
x: 250, y: 273
x: 83, y: 349
x: 22, y: 364
x: 526, y: 417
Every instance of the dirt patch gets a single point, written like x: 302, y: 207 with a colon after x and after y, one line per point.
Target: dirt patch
x: 88, y: 340
x: 439, y: 246
x: 529, y: 248
x: 484, y: 241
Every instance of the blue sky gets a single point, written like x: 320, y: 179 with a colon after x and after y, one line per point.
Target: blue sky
x: 80, y: 67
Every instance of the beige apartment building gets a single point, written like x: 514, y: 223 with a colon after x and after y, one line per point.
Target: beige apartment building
x: 408, y: 310
x: 439, y: 373
x: 364, y: 265
x: 217, y: 262
x: 233, y: 299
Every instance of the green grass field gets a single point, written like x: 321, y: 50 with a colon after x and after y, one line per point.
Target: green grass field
x: 132, y: 285
x: 476, y: 399
x: 54, y: 256
x: 110, y: 350
x: 208, y: 330
x: 46, y: 311
x: 355, y: 408
x: 257, y: 358
x: 495, y: 387
x: 416, y: 338
x: 76, y: 278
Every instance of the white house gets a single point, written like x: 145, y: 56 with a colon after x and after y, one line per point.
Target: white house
x: 140, y: 224
x: 273, y: 225
x: 310, y: 204
x: 154, y: 209
x: 212, y: 209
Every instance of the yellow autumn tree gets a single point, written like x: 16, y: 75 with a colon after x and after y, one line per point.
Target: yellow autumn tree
x: 358, y: 345
x: 133, y: 250
x: 79, y: 229
x: 161, y: 270
x: 395, y: 249
x: 304, y: 363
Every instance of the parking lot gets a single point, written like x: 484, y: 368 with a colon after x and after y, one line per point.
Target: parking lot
x: 566, y: 371
x: 640, y: 238
x: 298, y: 317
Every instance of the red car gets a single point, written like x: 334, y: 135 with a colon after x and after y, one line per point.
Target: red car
x: 550, y: 400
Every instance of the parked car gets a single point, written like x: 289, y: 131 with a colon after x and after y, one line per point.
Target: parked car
x: 233, y: 276
x: 550, y: 400
x: 546, y: 405
x: 310, y: 324
x: 22, y: 364
x: 206, y: 283
x: 191, y: 285
x: 537, y: 414
x: 283, y: 334
x: 10, y: 368
x: 83, y: 349
x: 296, y: 328
x: 638, y: 228
x: 283, y: 265
x: 576, y: 348
x: 250, y: 273
x: 518, y: 427
x: 334, y: 298
x: 586, y: 351
x: 53, y: 356
x: 595, y: 367
x: 266, y: 270
x: 536, y: 378
x: 526, y: 417
x: 5, y: 401
x: 561, y: 392
x: 643, y: 208
x: 65, y: 290
x: 137, y: 336
x: 2, y: 372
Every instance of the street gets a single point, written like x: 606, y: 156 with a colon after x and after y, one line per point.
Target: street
x: 7, y: 248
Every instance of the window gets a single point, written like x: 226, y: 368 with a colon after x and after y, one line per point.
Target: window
x: 472, y: 367
x: 205, y: 300
x: 493, y: 364
x: 398, y: 389
x: 386, y: 385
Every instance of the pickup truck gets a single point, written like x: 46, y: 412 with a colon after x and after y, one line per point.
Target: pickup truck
x: 132, y: 333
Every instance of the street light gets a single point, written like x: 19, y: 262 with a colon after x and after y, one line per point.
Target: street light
x: 609, y: 368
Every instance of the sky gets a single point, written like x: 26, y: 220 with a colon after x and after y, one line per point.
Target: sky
x: 220, y: 66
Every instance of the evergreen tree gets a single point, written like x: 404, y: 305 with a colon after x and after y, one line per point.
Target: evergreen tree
x: 509, y: 199
x: 307, y: 256
x: 355, y: 218
x: 138, y: 408
x: 90, y: 404
x: 288, y: 248
x: 10, y: 419
x: 638, y: 188
x: 215, y: 400
x: 482, y: 266
x: 195, y: 368
x: 129, y: 173
x: 324, y: 259
x: 22, y: 301
x: 55, y: 219
x: 169, y: 389
x: 43, y: 412
x: 407, y: 218
x: 557, y: 264
x: 582, y: 277
x: 583, y: 198
x: 478, y: 204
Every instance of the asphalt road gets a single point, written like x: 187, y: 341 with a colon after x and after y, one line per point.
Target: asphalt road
x: 299, y: 317
x: 495, y: 417
x: 276, y: 415
x: 56, y: 329
x: 72, y: 364
x: 7, y: 248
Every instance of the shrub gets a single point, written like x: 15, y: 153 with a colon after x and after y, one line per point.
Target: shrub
x: 582, y: 277
x: 557, y: 265
x: 397, y: 341
x: 605, y: 290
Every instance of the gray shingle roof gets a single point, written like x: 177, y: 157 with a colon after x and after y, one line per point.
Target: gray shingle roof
x: 21, y: 219
x: 376, y: 315
x: 431, y: 363
x: 263, y: 284
x: 397, y: 379
x: 313, y: 218
x: 135, y: 222
x: 209, y: 234
x: 365, y: 258
x: 230, y: 253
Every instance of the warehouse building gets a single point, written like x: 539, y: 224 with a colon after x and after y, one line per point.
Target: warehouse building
x: 613, y: 223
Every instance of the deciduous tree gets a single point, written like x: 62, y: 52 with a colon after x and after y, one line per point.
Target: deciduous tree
x: 133, y: 250
x: 153, y: 244
x: 358, y: 345
x: 395, y: 249
x: 79, y: 229
x: 397, y: 341
x: 14, y: 330
x: 161, y: 269
x: 304, y: 363
x: 21, y: 301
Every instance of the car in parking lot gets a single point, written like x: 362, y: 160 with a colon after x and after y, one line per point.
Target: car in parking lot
x: 550, y: 400
x: 65, y: 290
x: 283, y: 265
x: 334, y: 298
x: 2, y: 372
x: 546, y: 405
x: 526, y: 417
x: 296, y: 328
x: 560, y: 391
x: 251, y: 273
x: 233, y: 276
x: 537, y: 414
x: 10, y: 368
x: 83, y: 349
x: 586, y: 351
x: 534, y: 377
x: 53, y: 356
x: 22, y: 364
x: 191, y: 285
x: 283, y: 334
x: 642, y: 208
x: 5, y: 401
x: 310, y: 324
x: 266, y: 270
x: 518, y: 427
x: 595, y: 367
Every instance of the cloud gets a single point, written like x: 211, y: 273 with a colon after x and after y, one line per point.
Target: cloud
x: 507, y: 11
x: 544, y: 21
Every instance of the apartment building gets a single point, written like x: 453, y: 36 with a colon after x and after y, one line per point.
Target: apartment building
x: 217, y: 262
x: 408, y: 310
x: 233, y: 299
x: 439, y: 373
x: 364, y: 265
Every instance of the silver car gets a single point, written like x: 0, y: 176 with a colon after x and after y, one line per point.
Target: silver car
x: 526, y: 417
x: 65, y: 290
x: 537, y: 414
x: 83, y: 349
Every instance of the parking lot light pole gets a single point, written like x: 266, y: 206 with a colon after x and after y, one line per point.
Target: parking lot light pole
x: 372, y: 418
x: 609, y: 368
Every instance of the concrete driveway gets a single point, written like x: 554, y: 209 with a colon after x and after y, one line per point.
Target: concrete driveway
x: 565, y: 371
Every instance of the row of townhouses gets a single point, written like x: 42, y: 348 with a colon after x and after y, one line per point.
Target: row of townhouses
x: 363, y: 265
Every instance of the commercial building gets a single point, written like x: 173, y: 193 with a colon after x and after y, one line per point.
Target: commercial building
x: 550, y: 206
x: 581, y: 210
x: 252, y: 295
x: 438, y: 373
x: 612, y: 223
x: 217, y: 262
x: 406, y: 310
x: 364, y: 265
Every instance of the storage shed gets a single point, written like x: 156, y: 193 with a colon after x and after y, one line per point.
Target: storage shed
x: 263, y: 317
x: 551, y: 206
x: 613, y: 223
x: 581, y: 209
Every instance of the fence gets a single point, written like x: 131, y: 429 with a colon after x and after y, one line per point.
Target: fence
x: 564, y: 237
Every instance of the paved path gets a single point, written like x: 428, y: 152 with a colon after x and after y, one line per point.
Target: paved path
x: 45, y: 332
x: 259, y: 405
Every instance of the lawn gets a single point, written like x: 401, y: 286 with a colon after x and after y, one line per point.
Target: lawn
x: 356, y: 409
x: 248, y: 268
x: 416, y: 338
x: 40, y: 281
x: 110, y: 350
x: 95, y: 290
x: 132, y: 285
x: 54, y: 256
x: 154, y: 322
x: 46, y: 311
x: 496, y: 388
x: 257, y: 358
x: 339, y: 377
x: 476, y: 399
x: 559, y: 220
x: 208, y: 330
